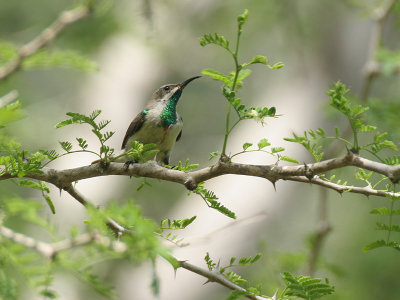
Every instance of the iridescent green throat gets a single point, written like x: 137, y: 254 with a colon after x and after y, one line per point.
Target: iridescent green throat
x: 168, y: 116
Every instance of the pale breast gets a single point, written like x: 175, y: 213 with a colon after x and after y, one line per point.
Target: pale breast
x: 153, y: 133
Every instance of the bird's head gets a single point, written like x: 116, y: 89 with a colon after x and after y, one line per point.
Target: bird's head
x: 169, y: 92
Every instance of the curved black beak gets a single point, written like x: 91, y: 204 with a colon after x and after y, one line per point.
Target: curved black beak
x: 186, y: 82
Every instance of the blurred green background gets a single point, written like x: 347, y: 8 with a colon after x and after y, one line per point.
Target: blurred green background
x: 141, y: 45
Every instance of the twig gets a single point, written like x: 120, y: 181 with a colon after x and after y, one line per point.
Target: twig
x: 112, y: 224
x: 215, y: 276
x: 8, y: 98
x: 45, y: 37
x: 49, y: 250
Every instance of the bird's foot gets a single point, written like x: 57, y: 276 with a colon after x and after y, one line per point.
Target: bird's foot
x: 128, y: 163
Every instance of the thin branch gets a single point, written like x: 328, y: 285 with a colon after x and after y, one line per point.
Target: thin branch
x: 112, y: 224
x: 49, y: 250
x: 45, y: 37
x: 74, y: 193
x: 367, y: 191
x: 8, y: 98
x: 215, y: 276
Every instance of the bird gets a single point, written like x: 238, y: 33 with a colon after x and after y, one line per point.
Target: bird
x: 158, y: 123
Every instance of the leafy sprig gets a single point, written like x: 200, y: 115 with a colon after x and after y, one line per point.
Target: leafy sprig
x: 186, y: 167
x: 138, y: 152
x: 233, y: 276
x: 211, y: 200
x: 171, y: 225
x: 262, y: 147
x: 41, y: 186
x: 340, y: 102
x: 305, y: 287
x: 234, y: 80
x: 311, y: 139
x: 105, y: 152
x: 390, y: 227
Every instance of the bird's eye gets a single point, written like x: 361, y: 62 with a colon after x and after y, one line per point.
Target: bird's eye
x: 166, y: 88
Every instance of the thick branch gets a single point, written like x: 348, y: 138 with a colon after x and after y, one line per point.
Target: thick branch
x: 49, y: 34
x: 302, y: 173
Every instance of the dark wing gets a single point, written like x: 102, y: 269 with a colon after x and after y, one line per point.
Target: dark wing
x: 134, y: 127
x: 180, y: 133
x: 179, y: 136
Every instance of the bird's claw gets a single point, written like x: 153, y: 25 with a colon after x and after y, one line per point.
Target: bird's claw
x: 128, y: 163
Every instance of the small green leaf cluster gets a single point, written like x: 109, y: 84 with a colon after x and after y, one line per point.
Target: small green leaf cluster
x: 243, y: 261
x: 13, y: 160
x: 380, y: 143
x: 234, y: 80
x: 332, y: 178
x: 105, y: 152
x: 41, y: 186
x: 364, y: 176
x: 177, y: 224
x: 310, y: 141
x: 234, y: 277
x: 353, y: 113
x: 187, y: 167
x: 215, y: 39
x: 243, y: 112
x: 17, y: 162
x: 261, y: 147
x: 211, y: 200
x: 139, y: 152
x: 390, y: 228
x: 305, y: 287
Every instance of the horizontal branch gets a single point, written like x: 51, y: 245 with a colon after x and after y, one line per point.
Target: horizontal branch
x: 44, y: 38
x: 301, y: 173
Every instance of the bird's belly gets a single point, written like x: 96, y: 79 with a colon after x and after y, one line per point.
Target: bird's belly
x: 163, y: 138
